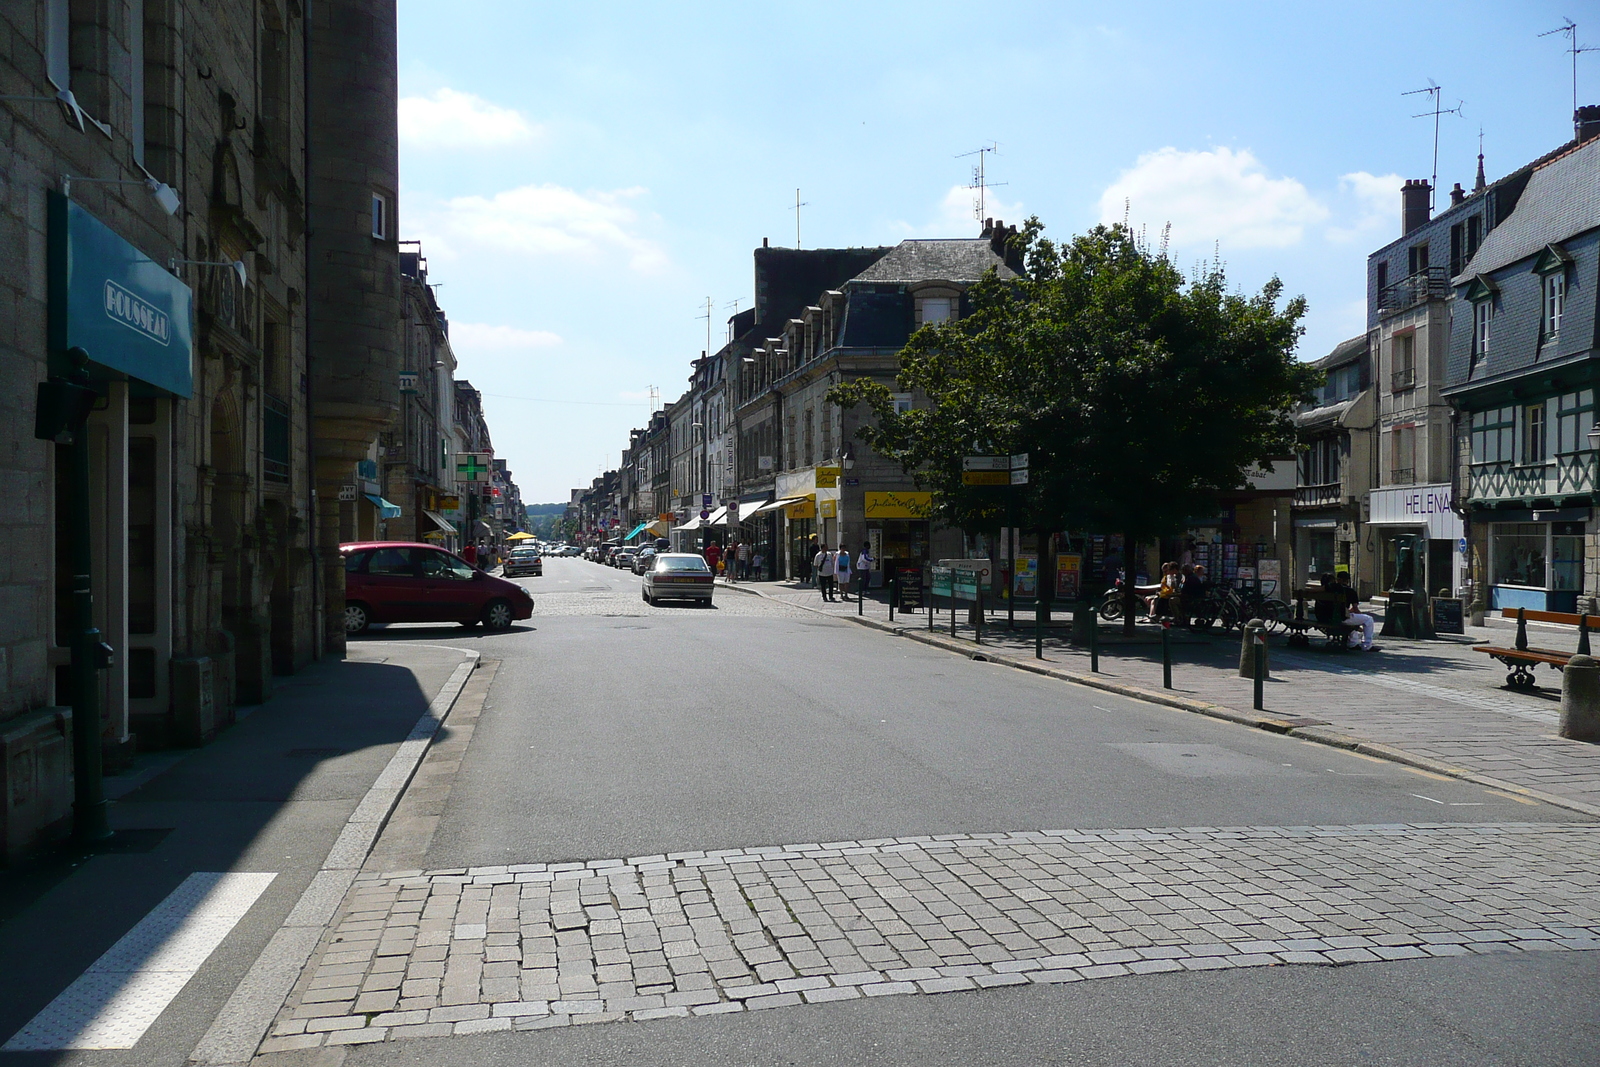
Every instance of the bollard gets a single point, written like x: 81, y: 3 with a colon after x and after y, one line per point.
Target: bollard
x: 1248, y: 647
x: 1261, y: 668
x: 1038, y: 630
x: 977, y: 620
x: 1583, y: 634
x: 1166, y: 654
x: 891, y: 598
x: 861, y: 594
x: 1522, y: 629
x: 930, y: 611
x: 1094, y: 647
x: 952, y: 610
x: 1580, y: 699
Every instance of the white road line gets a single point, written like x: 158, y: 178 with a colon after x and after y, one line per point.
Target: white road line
x: 1430, y: 800
x: 114, y: 1002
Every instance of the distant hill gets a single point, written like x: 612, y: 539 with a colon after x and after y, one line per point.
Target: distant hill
x: 546, y: 509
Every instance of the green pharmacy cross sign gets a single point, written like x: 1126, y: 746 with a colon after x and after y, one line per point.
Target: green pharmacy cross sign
x: 473, y: 467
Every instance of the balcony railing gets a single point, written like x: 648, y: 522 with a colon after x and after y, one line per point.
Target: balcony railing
x: 274, y: 440
x: 1310, y: 496
x: 1403, y: 379
x: 1566, y: 475
x: 1430, y: 283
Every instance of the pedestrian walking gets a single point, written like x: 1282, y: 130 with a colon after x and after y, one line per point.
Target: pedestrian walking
x: 808, y: 561
x: 470, y: 554
x: 744, y: 560
x: 841, y: 569
x: 713, y: 556
x: 864, y: 564
x: 823, y: 563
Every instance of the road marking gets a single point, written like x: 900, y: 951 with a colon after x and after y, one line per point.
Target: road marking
x: 1512, y: 796
x: 114, y: 1002
x: 1427, y: 774
x: 1430, y: 800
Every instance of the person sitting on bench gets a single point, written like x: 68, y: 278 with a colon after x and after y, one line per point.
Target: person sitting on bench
x: 1327, y: 607
x: 1353, y: 613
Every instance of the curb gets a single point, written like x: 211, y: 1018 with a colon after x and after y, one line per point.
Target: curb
x: 242, y: 1024
x: 1316, y: 734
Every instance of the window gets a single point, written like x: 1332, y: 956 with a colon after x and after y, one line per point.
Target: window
x: 1319, y: 463
x: 1482, y: 321
x: 380, y: 216
x: 1519, y: 553
x: 1493, y: 435
x: 58, y: 43
x: 1417, y: 258
x: 902, y: 403
x: 1405, y: 362
x: 935, y: 309
x: 394, y: 562
x: 1555, y: 303
x: 442, y: 565
x: 1403, y: 442
x: 1383, y: 276
x: 1533, y: 434
x: 1574, y: 420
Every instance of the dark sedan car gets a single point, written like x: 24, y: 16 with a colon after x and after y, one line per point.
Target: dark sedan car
x: 406, y: 581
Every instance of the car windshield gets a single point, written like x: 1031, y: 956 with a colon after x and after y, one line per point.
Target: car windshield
x: 681, y: 563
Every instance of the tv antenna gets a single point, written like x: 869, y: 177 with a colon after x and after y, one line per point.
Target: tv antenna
x: 707, y: 316
x: 980, y: 205
x: 1569, y: 30
x: 1434, y: 92
x: 655, y: 398
x: 798, y: 204
x: 734, y: 306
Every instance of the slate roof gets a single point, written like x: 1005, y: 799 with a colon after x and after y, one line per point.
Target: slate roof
x: 1343, y: 352
x: 1562, y: 199
x: 960, y: 260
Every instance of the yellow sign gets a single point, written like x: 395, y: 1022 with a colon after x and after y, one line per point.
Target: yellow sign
x: 805, y: 509
x: 830, y: 509
x: 905, y: 505
x: 827, y: 477
x: 666, y: 516
x: 985, y: 477
x: 447, y: 503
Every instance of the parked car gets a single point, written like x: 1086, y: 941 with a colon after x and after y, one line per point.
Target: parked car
x: 644, y: 560
x: 405, y: 581
x: 622, y: 558
x: 678, y: 576
x: 523, y: 561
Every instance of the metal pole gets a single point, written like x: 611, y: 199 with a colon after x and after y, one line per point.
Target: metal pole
x: 1094, y: 644
x: 1260, y: 664
x: 1038, y: 631
x: 891, y: 598
x: 952, y: 604
x: 862, y: 578
x: 1166, y: 654
x: 977, y: 629
x: 1011, y: 538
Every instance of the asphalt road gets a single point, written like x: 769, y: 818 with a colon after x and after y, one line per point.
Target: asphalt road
x: 616, y: 729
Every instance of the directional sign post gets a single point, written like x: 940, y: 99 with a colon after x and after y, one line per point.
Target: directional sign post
x: 995, y: 470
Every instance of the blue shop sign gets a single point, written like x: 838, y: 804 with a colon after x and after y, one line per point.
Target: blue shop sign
x: 117, y: 304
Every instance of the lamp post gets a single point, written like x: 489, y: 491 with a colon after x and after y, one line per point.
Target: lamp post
x: 62, y: 416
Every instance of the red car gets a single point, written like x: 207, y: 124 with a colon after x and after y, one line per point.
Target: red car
x: 408, y: 581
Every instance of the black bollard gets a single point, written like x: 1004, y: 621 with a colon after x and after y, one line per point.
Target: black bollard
x: 1583, y: 634
x: 861, y: 593
x: 1260, y: 668
x: 1522, y: 629
x: 1166, y: 655
x: 891, y: 598
x: 1038, y: 629
x: 1094, y: 645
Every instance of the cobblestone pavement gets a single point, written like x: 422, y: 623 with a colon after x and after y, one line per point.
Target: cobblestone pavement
x: 537, y: 945
x: 1437, y: 700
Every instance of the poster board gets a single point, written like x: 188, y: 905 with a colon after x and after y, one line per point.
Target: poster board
x: 1069, y: 576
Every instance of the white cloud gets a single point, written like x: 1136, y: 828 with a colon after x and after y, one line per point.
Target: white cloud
x: 485, y: 337
x: 1216, y: 195
x: 956, y: 215
x: 548, y: 221
x: 1368, y: 204
x: 453, y: 119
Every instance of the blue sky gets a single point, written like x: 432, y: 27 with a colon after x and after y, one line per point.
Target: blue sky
x: 583, y: 177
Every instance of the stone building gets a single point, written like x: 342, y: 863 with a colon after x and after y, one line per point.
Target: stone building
x: 418, y: 475
x: 159, y: 214
x: 1337, y: 434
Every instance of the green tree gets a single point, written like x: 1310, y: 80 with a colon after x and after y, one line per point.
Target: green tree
x: 1139, y: 395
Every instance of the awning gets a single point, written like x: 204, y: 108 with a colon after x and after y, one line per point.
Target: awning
x: 718, y: 517
x: 440, y: 521
x: 693, y: 524
x: 631, y: 534
x: 386, y: 510
x: 771, y: 505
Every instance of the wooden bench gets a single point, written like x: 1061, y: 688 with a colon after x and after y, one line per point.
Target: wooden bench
x: 1523, y: 659
x: 1337, y: 631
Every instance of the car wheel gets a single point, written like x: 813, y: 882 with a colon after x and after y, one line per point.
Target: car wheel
x: 646, y: 594
x: 497, y: 615
x: 357, y: 618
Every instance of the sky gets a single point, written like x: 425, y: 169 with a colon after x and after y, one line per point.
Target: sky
x: 583, y: 178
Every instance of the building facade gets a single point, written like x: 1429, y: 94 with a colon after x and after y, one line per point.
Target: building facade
x: 1337, y: 462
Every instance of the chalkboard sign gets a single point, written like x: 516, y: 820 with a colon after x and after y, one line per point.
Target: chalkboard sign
x: 908, y: 587
x: 1447, y: 616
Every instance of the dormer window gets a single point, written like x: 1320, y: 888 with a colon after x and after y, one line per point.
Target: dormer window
x: 1551, y: 266
x: 1481, y: 292
x: 932, y: 310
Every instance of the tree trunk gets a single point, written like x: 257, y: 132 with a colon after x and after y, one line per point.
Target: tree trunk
x: 1130, y: 574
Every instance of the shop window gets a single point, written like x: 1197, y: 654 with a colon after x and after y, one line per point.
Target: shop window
x: 1566, y: 555
x: 1534, y: 440
x: 1574, y: 420
x: 1519, y: 553
x: 1494, y: 435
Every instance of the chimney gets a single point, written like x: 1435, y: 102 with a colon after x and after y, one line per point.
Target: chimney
x: 1414, y: 206
x: 1586, y: 122
x: 1457, y: 194
x: 764, y: 243
x: 988, y: 230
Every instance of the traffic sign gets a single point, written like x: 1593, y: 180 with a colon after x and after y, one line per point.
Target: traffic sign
x: 999, y: 477
x: 1019, y: 462
x: 704, y: 514
x: 986, y: 463
x: 705, y: 501
x: 1019, y: 477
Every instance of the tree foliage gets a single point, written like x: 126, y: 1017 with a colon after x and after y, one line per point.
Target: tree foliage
x: 1139, y: 395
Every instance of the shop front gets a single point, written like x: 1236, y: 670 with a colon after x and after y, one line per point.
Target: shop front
x: 1416, y: 539
x: 1535, y: 558
x: 898, y: 529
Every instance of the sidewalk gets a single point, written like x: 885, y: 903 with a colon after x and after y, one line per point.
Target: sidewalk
x: 1433, y: 704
